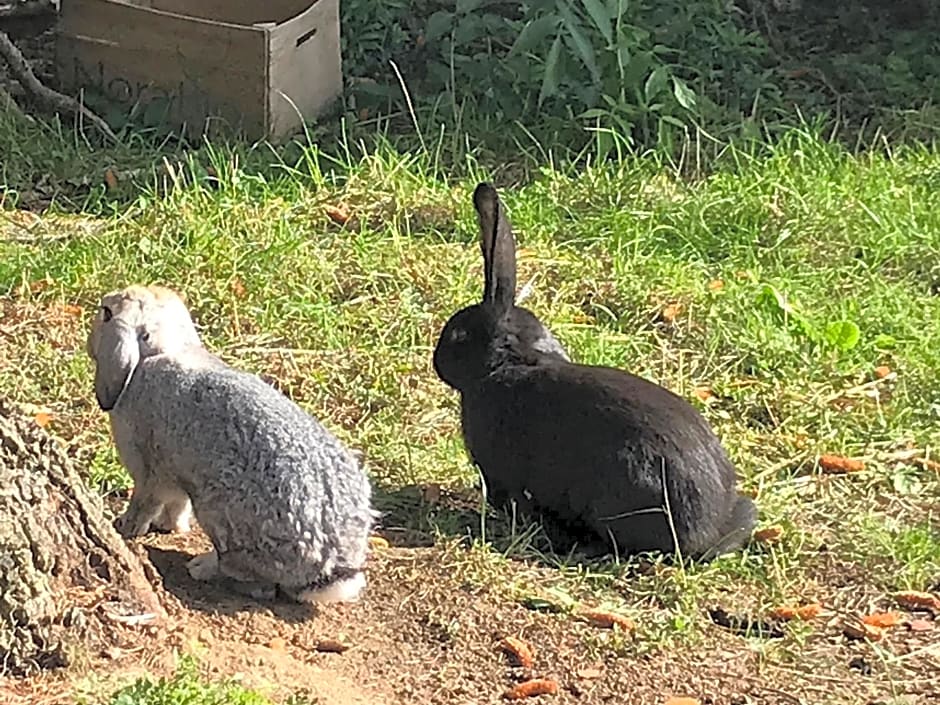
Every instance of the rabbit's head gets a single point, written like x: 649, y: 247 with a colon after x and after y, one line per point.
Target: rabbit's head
x: 132, y: 324
x: 479, y: 338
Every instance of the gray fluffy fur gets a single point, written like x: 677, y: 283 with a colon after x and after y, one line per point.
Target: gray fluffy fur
x: 284, y: 502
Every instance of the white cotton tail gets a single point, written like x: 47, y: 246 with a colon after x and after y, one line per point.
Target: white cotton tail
x: 342, y: 590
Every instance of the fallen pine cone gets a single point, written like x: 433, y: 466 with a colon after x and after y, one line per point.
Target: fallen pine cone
x: 607, y: 620
x: 518, y: 650
x: 531, y: 688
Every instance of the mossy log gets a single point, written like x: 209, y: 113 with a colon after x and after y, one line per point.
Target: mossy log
x: 68, y: 582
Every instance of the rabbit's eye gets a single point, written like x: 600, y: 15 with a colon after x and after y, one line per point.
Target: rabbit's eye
x: 145, y: 336
x: 106, y: 314
x: 458, y: 335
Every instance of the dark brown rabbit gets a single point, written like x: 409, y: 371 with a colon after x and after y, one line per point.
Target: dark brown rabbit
x: 604, y: 459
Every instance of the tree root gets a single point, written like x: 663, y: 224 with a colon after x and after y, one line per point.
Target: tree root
x: 45, y: 96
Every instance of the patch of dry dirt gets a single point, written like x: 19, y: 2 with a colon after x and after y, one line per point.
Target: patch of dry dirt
x: 422, y: 635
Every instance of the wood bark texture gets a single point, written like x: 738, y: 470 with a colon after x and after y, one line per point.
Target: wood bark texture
x: 68, y: 582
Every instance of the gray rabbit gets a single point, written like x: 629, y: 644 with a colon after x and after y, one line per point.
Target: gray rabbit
x: 285, y: 504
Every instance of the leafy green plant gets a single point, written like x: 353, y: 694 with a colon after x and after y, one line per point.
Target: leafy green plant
x: 638, y: 68
x: 185, y: 687
x: 841, y: 335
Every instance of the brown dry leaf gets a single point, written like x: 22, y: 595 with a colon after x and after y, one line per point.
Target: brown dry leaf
x: 607, y: 620
x: 332, y: 646
x: 678, y: 700
x: 42, y: 419
x: 804, y: 612
x: 338, y: 214
x: 883, y: 620
x: 518, y: 650
x: 838, y: 464
x: 277, y: 644
x: 860, y: 630
x: 704, y: 393
x: 769, y: 534
x: 377, y: 543
x: 531, y: 688
x: 671, y: 312
x: 716, y: 285
x: 110, y: 178
x: 882, y: 371
x: 238, y: 288
x: 914, y: 600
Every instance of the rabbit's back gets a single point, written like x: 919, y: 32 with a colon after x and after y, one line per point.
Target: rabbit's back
x: 264, y: 476
x: 591, y: 446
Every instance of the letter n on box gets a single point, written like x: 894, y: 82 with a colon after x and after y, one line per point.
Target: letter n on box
x: 232, y: 66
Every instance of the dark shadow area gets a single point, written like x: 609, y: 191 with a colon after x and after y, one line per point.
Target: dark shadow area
x: 216, y: 597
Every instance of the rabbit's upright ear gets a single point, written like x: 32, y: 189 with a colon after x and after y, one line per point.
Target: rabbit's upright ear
x: 116, y: 356
x: 499, y: 249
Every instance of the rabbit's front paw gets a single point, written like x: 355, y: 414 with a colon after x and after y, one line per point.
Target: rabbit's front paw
x: 130, y: 524
x: 205, y: 566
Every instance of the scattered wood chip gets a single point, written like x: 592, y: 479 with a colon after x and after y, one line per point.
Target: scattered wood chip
x: 860, y: 630
x: 769, y: 535
x: 378, y: 543
x: 332, y: 646
x: 839, y: 464
x: 716, y: 285
x: 277, y: 644
x: 338, y: 214
x: 42, y: 419
x: 589, y: 674
x: 607, y: 620
x: 678, y: 700
x: 531, y: 688
x: 205, y: 635
x: 883, y: 620
x: 110, y: 178
x: 518, y: 650
x: 914, y: 600
x: 804, y: 612
x: 73, y: 310
x: 920, y: 625
x: 882, y: 371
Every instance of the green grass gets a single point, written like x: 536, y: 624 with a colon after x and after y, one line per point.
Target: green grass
x: 727, y: 281
x: 187, y: 687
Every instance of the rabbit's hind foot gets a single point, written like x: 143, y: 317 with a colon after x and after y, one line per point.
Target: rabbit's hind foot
x: 205, y: 566
x: 176, y: 516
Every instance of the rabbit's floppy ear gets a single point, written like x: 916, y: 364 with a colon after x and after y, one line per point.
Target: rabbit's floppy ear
x: 499, y: 249
x: 116, y: 356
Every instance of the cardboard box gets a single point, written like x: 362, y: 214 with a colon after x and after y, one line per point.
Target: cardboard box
x: 230, y: 66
